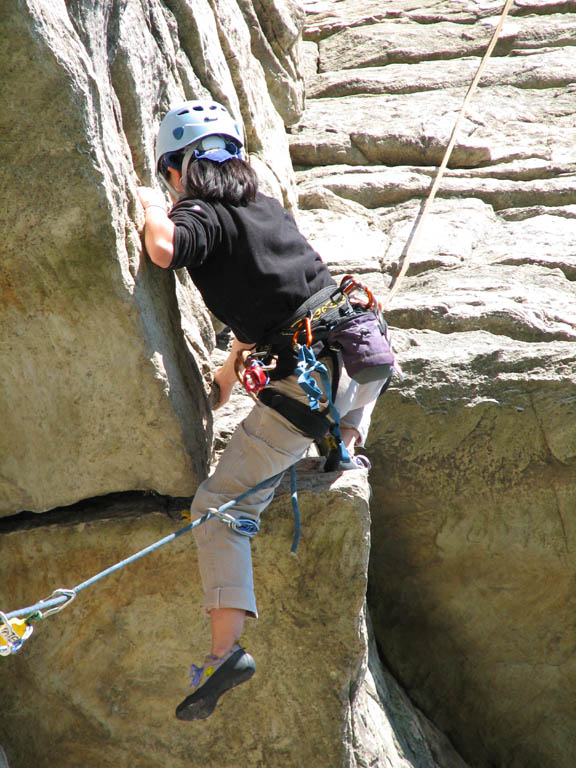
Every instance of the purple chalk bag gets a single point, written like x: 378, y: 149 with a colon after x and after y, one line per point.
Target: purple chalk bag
x: 363, y: 341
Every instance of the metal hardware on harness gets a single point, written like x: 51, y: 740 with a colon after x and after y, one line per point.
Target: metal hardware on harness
x: 307, y: 324
x: 255, y: 378
x: 350, y: 285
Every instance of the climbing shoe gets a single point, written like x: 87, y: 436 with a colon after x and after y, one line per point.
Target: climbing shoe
x: 218, y: 675
x: 356, y: 462
x: 335, y: 463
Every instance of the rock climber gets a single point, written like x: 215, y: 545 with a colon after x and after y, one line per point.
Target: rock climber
x: 254, y: 270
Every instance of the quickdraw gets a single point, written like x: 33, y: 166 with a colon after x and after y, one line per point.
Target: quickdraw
x: 15, y: 627
x: 13, y: 633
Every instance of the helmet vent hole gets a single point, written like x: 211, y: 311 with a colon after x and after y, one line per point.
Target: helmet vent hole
x: 178, y: 133
x: 184, y: 112
x: 198, y: 109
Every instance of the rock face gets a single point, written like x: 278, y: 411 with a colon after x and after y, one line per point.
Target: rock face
x: 105, y: 364
x: 474, y: 453
x: 112, y: 666
x: 99, y: 390
x: 100, y: 680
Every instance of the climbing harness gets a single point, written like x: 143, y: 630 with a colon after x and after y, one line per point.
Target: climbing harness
x: 343, y: 322
x: 16, y: 627
x: 409, y: 249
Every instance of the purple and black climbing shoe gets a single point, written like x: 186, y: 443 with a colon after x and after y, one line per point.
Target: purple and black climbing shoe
x: 215, y: 677
x: 359, y: 461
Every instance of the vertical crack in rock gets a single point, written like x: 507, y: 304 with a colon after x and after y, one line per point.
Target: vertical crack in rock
x: 471, y: 580
x: 472, y: 453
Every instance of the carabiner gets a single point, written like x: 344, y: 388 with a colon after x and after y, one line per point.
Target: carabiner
x: 349, y: 284
x: 13, y: 633
x: 307, y: 322
x: 243, y: 526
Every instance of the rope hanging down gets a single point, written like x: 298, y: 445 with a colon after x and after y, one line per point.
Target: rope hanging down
x: 15, y: 627
x: 415, y: 235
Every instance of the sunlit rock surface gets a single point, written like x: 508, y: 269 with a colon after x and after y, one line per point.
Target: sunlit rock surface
x: 474, y: 453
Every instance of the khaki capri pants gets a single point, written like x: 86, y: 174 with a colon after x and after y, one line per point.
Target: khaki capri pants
x: 264, y: 444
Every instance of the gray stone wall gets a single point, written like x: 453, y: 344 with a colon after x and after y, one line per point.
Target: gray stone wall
x: 474, y: 453
x: 99, y: 389
x: 105, y: 364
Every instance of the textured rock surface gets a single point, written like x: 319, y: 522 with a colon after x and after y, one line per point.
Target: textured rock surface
x: 98, y: 389
x: 474, y: 454
x: 105, y: 361
x: 474, y: 458
x: 111, y: 667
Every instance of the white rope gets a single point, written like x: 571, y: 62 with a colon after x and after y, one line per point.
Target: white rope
x: 413, y: 240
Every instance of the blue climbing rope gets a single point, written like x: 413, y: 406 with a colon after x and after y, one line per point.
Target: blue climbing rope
x: 295, y: 509
x: 61, y: 597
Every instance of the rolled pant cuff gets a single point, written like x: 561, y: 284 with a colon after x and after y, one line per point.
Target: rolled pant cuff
x: 231, y: 597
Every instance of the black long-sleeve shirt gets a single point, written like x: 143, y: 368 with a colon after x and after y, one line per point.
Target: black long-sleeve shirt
x: 250, y: 263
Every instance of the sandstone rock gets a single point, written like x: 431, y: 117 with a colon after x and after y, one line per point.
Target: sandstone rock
x: 335, y: 236
x: 473, y: 453
x: 112, y: 666
x: 309, y: 60
x: 275, y: 29
x: 470, y: 565
x: 528, y: 303
x: 98, y: 393
x: 264, y: 127
x: 401, y: 41
x: 337, y: 131
x: 106, y: 358
x: 468, y: 232
x: 379, y: 186
x: 555, y: 68
x: 325, y: 18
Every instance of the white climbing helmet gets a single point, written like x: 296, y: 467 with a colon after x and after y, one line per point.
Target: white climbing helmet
x: 190, y: 122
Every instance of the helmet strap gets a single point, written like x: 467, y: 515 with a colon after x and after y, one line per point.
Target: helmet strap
x: 188, y: 155
x: 169, y: 188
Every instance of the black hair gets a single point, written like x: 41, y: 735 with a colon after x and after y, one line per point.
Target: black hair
x: 170, y: 160
x: 234, y: 181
